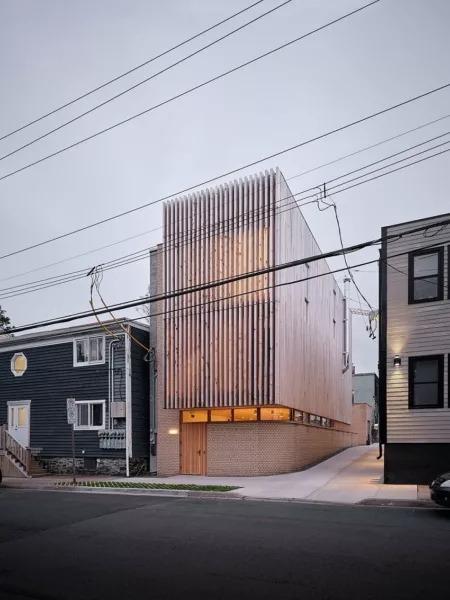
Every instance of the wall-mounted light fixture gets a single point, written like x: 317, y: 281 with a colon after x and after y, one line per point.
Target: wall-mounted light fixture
x: 397, y: 361
x: 173, y: 431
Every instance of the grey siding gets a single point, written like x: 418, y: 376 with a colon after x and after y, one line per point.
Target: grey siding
x: 414, y: 330
x: 365, y: 388
x: 48, y: 381
x: 140, y: 399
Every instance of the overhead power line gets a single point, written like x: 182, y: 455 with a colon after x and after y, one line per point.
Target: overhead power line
x: 185, y: 93
x: 147, y: 79
x: 349, y: 187
x: 115, y: 261
x: 227, y: 174
x: 256, y: 273
x: 181, y: 240
x: 218, y: 300
x: 64, y: 260
x: 147, y: 62
x: 385, y: 141
x: 15, y: 276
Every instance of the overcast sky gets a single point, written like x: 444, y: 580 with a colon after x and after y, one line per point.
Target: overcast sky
x: 53, y: 51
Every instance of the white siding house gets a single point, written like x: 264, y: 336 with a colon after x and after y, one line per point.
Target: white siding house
x: 414, y: 351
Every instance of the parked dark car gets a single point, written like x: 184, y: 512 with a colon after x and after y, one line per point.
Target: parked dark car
x: 440, y: 490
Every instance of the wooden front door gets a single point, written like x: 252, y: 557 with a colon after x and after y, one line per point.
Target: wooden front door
x: 193, y: 449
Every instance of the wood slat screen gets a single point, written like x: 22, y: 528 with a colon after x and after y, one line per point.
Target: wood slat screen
x: 219, y: 343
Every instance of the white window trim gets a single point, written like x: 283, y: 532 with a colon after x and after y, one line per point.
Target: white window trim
x: 88, y: 362
x: 13, y: 370
x: 91, y: 427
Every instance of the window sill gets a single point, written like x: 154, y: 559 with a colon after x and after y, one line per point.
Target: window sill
x: 426, y: 407
x: 425, y: 301
x: 89, y: 364
x: 76, y: 428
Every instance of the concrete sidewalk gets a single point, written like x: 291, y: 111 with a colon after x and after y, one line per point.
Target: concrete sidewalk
x: 349, y: 477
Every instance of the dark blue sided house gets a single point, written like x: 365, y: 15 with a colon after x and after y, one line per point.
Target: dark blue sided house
x: 106, y: 372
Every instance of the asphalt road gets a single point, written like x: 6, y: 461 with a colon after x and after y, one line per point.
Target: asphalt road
x: 62, y: 545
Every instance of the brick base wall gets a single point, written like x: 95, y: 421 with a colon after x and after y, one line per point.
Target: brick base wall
x: 250, y: 449
x: 168, y: 448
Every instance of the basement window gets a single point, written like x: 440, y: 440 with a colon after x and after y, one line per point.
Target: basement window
x: 221, y: 415
x: 195, y: 416
x: 90, y: 415
x: 245, y: 414
x: 275, y: 414
x: 426, y: 381
x: 426, y: 275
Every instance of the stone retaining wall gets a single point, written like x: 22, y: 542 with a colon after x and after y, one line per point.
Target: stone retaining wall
x: 103, y: 466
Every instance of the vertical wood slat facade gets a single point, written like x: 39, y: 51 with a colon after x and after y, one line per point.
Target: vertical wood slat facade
x: 250, y: 343
x: 213, y: 337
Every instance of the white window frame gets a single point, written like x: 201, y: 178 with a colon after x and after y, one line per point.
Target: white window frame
x: 13, y: 360
x: 90, y: 427
x: 87, y: 340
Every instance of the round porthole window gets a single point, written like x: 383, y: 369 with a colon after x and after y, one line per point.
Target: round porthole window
x: 19, y: 364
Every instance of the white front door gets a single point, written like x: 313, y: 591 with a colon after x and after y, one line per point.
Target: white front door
x: 19, y: 422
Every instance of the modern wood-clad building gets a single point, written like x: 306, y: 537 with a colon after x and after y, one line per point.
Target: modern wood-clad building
x: 253, y: 374
x: 414, y: 351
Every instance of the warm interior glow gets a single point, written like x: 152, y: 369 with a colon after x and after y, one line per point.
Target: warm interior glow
x: 245, y: 414
x: 173, y: 431
x: 275, y: 414
x: 220, y: 415
x: 22, y: 417
x: 19, y: 363
x: 195, y: 416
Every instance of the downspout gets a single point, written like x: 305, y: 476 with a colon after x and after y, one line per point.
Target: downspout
x: 111, y: 382
x: 128, y: 403
x: 382, y: 316
x: 347, y: 316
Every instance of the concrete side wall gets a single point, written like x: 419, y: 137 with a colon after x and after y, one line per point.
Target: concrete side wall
x: 362, y: 413
x: 251, y: 449
x: 415, y: 463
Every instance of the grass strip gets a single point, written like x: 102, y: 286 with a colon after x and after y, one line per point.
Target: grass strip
x: 150, y: 486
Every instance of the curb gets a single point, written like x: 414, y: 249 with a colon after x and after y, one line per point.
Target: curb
x: 368, y: 502
x: 51, y: 487
x: 399, y: 503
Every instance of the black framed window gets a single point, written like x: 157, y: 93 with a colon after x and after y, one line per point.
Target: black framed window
x: 426, y: 381
x: 426, y: 275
